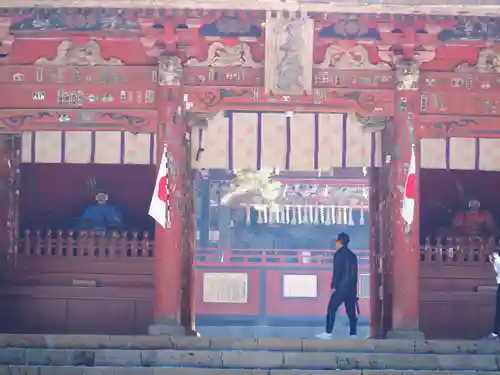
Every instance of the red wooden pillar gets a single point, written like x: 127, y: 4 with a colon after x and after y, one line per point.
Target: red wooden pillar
x: 168, y: 241
x: 375, y: 258
x: 403, y: 239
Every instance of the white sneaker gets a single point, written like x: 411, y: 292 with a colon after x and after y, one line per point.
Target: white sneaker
x: 353, y: 336
x: 324, y: 336
x: 491, y: 336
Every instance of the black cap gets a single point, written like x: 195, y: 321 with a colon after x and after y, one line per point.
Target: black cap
x: 343, y: 238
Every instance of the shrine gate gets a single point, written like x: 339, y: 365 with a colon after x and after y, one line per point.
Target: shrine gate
x: 90, y: 95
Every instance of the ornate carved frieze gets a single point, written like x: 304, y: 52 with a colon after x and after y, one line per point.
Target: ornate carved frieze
x: 393, y: 54
x: 134, y: 121
x: 349, y: 59
x: 350, y: 28
x: 88, y: 54
x: 223, y: 56
x: 487, y: 62
x: 407, y: 61
x: 408, y: 75
x: 169, y: 71
x: 367, y: 102
x: 76, y: 20
x: 372, y: 124
x: 289, y: 54
x: 232, y: 26
x: 472, y: 29
x: 166, y: 40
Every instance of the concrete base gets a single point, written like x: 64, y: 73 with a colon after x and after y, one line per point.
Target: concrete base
x: 405, y: 334
x: 164, y: 329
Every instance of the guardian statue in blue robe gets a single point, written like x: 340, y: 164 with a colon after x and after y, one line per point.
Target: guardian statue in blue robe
x: 101, y: 216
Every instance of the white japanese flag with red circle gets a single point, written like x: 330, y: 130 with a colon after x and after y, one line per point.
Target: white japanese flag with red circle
x: 410, y: 193
x: 158, y: 206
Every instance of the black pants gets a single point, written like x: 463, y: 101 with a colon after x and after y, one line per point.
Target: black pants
x: 496, y: 325
x: 349, y: 301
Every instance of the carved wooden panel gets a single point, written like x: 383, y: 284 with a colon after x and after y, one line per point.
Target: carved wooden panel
x: 289, y: 54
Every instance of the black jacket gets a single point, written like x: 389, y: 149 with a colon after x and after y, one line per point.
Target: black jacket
x: 345, y: 271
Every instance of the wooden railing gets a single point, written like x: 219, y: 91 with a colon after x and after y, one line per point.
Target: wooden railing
x: 122, y: 244
x: 271, y: 257
x: 95, y: 244
x: 463, y: 250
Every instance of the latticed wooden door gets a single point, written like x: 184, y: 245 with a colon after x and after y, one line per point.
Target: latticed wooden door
x: 10, y: 157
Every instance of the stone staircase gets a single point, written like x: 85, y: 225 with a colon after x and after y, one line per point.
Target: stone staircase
x: 163, y: 355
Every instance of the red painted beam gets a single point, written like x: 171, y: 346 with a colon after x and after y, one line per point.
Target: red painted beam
x: 432, y: 126
x: 135, y: 121
x: 458, y: 102
x: 365, y: 102
x: 103, y: 75
x: 79, y: 96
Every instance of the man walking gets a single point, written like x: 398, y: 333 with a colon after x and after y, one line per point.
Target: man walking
x: 495, y: 260
x: 344, y: 287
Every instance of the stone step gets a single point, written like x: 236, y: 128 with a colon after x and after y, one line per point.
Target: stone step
x: 71, y: 370
x: 239, y: 359
x: 206, y: 343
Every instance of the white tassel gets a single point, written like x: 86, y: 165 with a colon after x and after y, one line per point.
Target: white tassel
x: 334, y: 215
x: 265, y: 216
x: 299, y: 215
x: 344, y: 216
x: 249, y: 215
x: 362, y: 216
x: 328, y: 213
x: 287, y: 214
x: 322, y: 214
x: 305, y: 216
x: 259, y: 217
x: 294, y: 217
x: 316, y: 215
x: 351, y: 220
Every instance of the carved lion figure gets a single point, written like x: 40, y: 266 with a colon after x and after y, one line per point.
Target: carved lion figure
x: 346, y: 59
x: 169, y: 71
x: 488, y: 61
x: 222, y: 56
x: 78, y: 55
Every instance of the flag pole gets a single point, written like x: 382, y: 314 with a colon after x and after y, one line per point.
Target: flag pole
x: 168, y: 217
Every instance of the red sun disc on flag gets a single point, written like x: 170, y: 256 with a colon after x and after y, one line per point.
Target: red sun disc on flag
x: 411, y: 186
x: 162, y: 189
